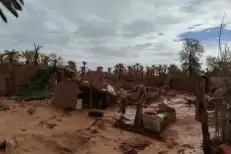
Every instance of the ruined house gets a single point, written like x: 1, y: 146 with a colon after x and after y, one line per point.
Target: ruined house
x: 86, y: 93
x: 14, y: 78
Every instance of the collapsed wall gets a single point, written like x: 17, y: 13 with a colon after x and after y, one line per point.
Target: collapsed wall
x: 184, y: 83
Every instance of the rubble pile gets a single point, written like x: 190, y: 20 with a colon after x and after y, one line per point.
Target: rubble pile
x: 158, y: 117
x: 159, y: 108
x: 131, y: 146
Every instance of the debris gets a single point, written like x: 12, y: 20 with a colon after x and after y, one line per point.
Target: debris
x: 4, y: 107
x: 188, y: 146
x: 95, y: 113
x: 94, y: 130
x: 165, y: 108
x: 131, y: 146
x: 172, y: 144
x: 11, y: 145
x: 2, y: 144
x: 42, y: 123
x: 111, y: 90
x: 31, y: 111
x: 51, y: 125
x: 180, y: 151
x: 23, y: 128
x: 162, y: 152
x: 191, y: 101
x: 158, y: 117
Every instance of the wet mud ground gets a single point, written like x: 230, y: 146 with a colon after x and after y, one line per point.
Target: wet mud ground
x: 37, y: 127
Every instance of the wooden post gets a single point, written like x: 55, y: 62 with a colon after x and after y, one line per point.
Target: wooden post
x: 138, y: 121
x: 203, y: 116
x: 216, y: 122
x: 90, y: 106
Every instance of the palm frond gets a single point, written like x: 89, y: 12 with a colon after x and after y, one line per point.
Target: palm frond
x: 12, y: 6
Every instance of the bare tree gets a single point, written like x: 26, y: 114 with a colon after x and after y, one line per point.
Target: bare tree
x: 190, y: 56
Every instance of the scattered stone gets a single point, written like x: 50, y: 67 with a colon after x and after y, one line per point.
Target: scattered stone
x: 4, y: 107
x: 180, y: 151
x: 64, y: 150
x: 42, y: 123
x: 51, y: 125
x: 59, y: 120
x: 11, y: 145
x: 188, y: 146
x: 23, y: 128
x: 53, y: 117
x: 172, y: 144
x: 162, y: 152
x: 2, y: 144
x: 31, y: 111
x: 94, y: 130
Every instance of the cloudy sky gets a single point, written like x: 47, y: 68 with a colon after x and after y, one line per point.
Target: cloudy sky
x: 105, y: 32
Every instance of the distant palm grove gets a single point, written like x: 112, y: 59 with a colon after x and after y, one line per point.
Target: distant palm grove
x: 189, y: 59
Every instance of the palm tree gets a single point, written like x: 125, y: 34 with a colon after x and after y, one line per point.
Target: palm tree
x: 45, y: 59
x: 137, y: 66
x: 57, y: 60
x: 116, y: 69
x: 72, y: 64
x: 148, y: 70
x: 28, y: 56
x: 84, y: 67
x: 12, y: 56
x: 2, y: 56
x: 133, y: 69
x: 121, y: 67
x: 129, y: 70
x: 159, y: 70
x: 142, y: 72
x: 153, y: 71
x: 109, y: 70
x: 165, y: 69
x: 13, y: 6
x: 99, y: 68
x: 82, y: 70
x: 36, y: 54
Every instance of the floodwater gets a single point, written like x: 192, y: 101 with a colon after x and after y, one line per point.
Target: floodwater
x: 36, y: 127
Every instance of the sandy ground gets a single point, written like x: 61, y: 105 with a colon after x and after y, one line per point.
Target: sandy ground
x: 38, y: 128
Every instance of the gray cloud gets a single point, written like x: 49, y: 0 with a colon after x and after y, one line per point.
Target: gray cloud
x: 138, y: 28
x: 105, y: 32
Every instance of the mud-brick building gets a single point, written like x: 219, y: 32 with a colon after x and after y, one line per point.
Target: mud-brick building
x: 89, y: 91
x: 14, y: 78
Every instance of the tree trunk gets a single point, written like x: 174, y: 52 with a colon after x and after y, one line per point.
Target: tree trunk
x: 203, y: 116
x: 119, y: 73
x: 90, y: 106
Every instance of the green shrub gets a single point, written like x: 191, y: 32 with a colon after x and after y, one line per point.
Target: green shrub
x: 37, y: 88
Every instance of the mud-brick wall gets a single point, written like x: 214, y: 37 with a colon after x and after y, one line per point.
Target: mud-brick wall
x: 184, y: 83
x: 156, y: 80
x: 22, y: 76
